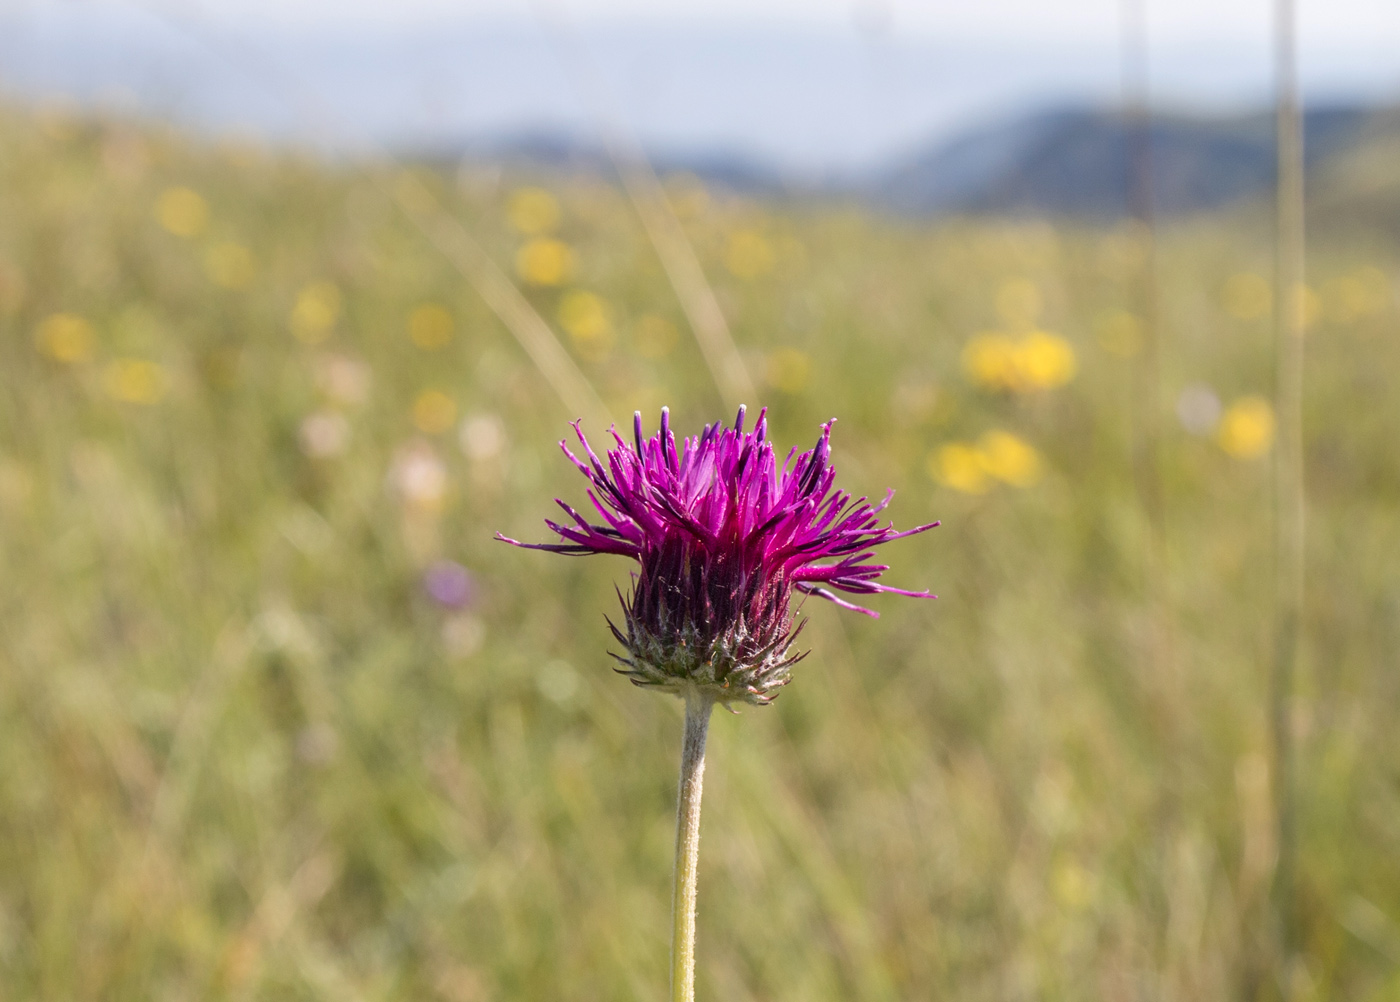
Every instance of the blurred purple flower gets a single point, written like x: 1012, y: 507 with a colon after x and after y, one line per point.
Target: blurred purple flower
x: 449, y: 584
x: 723, y: 535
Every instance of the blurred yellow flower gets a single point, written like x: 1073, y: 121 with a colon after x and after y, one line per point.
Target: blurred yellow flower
x: 1018, y: 303
x: 989, y: 359
x: 182, y: 211
x: 1247, y: 296
x: 544, y: 261
x: 65, y: 337
x: 1045, y: 360
x: 656, y: 336
x: 315, y: 313
x: 998, y: 455
x: 1250, y: 297
x: 1119, y: 333
x: 1008, y: 458
x: 1247, y: 428
x: 788, y: 370
x: 1073, y: 885
x: 1037, y: 361
x: 229, y: 265
x: 434, y: 412
x: 585, y: 316
x: 749, y: 255
x: 959, y: 465
x: 532, y: 211
x: 430, y: 326
x: 135, y: 381
x: 1363, y: 294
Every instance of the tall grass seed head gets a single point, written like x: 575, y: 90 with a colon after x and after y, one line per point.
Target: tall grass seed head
x: 723, y: 536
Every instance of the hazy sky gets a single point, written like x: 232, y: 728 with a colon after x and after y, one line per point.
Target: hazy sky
x: 1360, y: 23
x: 811, y: 84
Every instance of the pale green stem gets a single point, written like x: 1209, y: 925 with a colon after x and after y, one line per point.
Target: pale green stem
x: 1288, y: 466
x: 697, y: 724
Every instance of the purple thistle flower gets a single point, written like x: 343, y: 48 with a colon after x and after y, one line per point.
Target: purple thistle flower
x: 723, y: 535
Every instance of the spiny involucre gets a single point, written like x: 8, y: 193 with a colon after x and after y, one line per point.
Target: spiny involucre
x: 723, y: 535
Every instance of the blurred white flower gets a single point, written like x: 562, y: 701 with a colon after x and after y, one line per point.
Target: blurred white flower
x: 419, y: 476
x: 482, y: 436
x: 342, y: 379
x: 558, y: 682
x: 1198, y: 409
x: 324, y: 434
x: 463, y: 634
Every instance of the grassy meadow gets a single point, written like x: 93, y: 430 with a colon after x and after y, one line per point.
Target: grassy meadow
x: 280, y: 720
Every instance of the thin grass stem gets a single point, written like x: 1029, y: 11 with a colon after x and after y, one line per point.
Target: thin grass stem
x: 1288, y: 462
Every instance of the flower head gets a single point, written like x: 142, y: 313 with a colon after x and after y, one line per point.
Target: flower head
x: 723, y: 535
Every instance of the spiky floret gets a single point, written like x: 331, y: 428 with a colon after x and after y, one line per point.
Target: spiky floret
x: 723, y: 535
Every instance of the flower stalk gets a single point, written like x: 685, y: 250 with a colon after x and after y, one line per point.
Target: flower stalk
x: 697, y: 725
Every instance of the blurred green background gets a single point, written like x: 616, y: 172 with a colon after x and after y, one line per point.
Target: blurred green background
x: 251, y: 422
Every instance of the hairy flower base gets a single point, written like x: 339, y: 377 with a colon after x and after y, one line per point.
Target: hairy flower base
x: 736, y: 665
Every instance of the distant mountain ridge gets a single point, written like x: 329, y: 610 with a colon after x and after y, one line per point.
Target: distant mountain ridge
x: 1078, y: 162
x: 558, y: 151
x: 1062, y: 162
